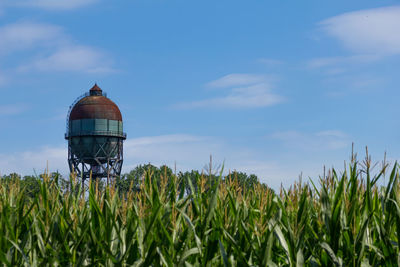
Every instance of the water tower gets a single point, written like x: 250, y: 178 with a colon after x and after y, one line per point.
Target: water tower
x: 95, y: 136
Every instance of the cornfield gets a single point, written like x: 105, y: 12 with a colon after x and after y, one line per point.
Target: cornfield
x: 344, y: 219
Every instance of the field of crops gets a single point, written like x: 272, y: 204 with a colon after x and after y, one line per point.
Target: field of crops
x: 343, y: 219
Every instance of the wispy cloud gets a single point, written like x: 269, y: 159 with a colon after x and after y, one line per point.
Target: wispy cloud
x: 371, y: 31
x: 157, y: 150
x: 341, y: 65
x: 237, y: 79
x: 168, y: 149
x: 344, y: 61
x: 26, y: 162
x: 3, y: 78
x: 72, y: 58
x: 49, y: 4
x: 50, y: 49
x: 163, y: 139
x: 270, y: 62
x: 244, y: 91
x: 29, y: 35
x: 7, y: 110
x: 192, y: 152
x: 189, y: 152
x: 323, y: 140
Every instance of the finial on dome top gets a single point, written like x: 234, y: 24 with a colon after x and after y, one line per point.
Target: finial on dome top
x: 96, y: 90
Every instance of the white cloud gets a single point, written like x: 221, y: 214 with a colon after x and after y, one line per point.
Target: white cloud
x: 255, y: 96
x: 341, y: 61
x: 323, y: 140
x: 372, y: 31
x: 192, y: 152
x: 162, y: 139
x: 331, y: 133
x: 270, y: 62
x: 7, y: 110
x: 26, y: 162
x: 28, y: 35
x: 50, y: 49
x: 245, y: 91
x: 50, y: 4
x: 72, y: 58
x: 271, y: 173
x: 187, y: 151
x: 3, y: 79
x: 354, y: 83
x: 237, y: 79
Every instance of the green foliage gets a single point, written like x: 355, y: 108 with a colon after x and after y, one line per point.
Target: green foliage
x: 244, y: 180
x: 191, y: 219
x: 133, y: 179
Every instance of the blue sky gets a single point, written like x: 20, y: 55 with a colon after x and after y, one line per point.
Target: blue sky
x: 274, y: 88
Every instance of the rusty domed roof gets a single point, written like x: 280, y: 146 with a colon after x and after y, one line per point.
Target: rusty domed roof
x: 95, y: 106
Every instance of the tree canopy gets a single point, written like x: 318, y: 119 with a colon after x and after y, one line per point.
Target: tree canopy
x: 132, y: 180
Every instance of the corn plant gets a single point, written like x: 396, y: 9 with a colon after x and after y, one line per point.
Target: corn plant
x: 344, y: 219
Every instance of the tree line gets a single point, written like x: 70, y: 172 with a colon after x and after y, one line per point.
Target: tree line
x: 132, y: 180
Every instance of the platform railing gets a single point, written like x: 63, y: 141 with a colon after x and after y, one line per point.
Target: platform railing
x: 101, y: 133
